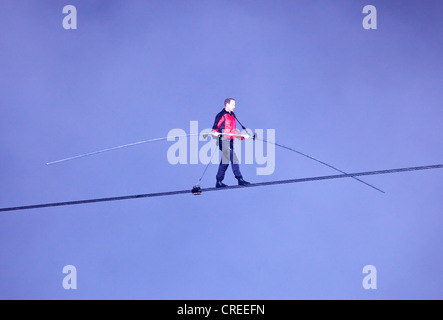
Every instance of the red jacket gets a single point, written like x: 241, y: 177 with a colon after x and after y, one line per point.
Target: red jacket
x: 225, y: 122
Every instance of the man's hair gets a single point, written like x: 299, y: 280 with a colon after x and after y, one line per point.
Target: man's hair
x: 228, y: 100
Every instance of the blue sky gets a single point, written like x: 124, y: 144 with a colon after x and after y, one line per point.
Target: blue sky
x: 133, y: 70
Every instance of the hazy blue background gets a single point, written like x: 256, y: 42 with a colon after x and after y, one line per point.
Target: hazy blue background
x: 133, y: 70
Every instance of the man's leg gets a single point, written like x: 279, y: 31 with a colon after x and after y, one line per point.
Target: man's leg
x: 235, y: 165
x: 224, y: 163
x: 236, y: 169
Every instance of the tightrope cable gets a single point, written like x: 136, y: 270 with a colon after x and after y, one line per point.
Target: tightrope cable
x: 258, y: 184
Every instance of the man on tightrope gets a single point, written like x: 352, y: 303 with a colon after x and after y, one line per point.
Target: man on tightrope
x: 225, y: 122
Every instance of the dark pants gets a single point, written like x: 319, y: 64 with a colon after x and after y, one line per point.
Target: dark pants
x: 228, y: 156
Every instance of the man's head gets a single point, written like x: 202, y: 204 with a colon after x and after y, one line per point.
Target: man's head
x: 229, y: 104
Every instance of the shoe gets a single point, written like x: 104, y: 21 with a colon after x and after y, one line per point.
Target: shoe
x: 220, y: 184
x: 242, y: 182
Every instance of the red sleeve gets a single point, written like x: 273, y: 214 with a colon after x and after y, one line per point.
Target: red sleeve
x: 217, y: 125
x: 237, y: 132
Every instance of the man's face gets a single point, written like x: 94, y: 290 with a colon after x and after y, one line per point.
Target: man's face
x: 231, y: 106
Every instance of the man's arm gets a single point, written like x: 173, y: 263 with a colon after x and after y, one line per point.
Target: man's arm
x: 236, y: 132
x: 219, y: 119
